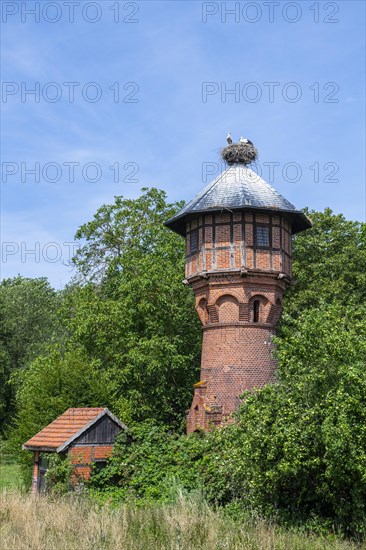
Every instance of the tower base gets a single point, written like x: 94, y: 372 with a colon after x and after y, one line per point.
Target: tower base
x: 239, y: 316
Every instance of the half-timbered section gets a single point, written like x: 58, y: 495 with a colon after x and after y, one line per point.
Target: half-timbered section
x: 232, y: 240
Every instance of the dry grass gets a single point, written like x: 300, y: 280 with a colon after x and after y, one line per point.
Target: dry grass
x: 41, y: 523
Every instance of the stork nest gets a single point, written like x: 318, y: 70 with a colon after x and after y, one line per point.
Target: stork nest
x: 239, y: 153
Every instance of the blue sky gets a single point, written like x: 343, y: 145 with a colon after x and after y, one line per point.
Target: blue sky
x: 151, y: 96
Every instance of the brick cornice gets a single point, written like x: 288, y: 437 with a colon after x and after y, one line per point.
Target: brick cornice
x: 232, y: 276
x: 266, y: 326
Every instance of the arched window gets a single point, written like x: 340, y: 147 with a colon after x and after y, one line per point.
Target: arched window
x: 228, y: 309
x: 256, y: 306
x: 202, y: 311
x: 259, y: 309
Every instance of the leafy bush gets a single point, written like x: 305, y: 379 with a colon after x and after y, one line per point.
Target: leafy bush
x: 149, y: 461
x: 58, y: 474
x: 297, y: 451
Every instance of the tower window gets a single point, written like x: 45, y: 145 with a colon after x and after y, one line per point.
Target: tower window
x: 256, y: 305
x: 194, y: 241
x: 262, y: 235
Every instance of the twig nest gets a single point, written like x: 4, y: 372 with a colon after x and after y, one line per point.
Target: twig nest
x: 239, y: 153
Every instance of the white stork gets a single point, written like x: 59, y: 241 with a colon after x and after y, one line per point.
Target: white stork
x: 245, y: 140
x: 228, y: 138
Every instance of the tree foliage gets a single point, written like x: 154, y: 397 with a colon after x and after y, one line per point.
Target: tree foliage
x: 329, y: 263
x: 28, y: 322
x: 59, y: 379
x: 128, y: 338
x: 128, y: 312
x: 299, y: 448
x: 134, y: 314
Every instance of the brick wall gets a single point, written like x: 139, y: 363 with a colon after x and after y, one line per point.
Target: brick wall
x: 238, y: 299
x: 83, y: 456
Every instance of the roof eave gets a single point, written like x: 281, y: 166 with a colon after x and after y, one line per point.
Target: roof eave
x: 177, y: 223
x: 39, y: 448
x: 301, y: 222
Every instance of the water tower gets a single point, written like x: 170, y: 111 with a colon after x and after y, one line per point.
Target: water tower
x: 238, y: 233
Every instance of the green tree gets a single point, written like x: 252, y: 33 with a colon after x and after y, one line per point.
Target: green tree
x: 59, y: 379
x: 298, y: 449
x: 28, y: 321
x: 132, y: 311
x: 127, y: 312
x: 329, y: 263
x: 124, y: 232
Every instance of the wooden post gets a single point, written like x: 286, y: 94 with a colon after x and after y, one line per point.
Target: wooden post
x: 34, y: 489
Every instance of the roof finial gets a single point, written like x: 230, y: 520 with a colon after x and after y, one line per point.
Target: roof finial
x: 242, y: 152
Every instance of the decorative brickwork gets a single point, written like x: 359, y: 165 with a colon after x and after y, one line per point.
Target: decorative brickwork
x: 238, y: 273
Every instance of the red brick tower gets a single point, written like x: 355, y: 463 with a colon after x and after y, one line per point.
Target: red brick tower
x: 238, y: 261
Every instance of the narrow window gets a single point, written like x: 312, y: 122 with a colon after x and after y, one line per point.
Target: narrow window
x: 256, y: 304
x: 194, y: 241
x: 99, y: 465
x: 262, y: 234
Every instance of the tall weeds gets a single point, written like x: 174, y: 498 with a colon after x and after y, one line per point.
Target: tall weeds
x: 75, y: 523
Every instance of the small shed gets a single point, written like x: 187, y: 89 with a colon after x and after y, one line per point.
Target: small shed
x: 87, y: 435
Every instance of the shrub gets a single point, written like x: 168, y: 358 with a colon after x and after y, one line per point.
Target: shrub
x: 58, y: 475
x: 149, y: 460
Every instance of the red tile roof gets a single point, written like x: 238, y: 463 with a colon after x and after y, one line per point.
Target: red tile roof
x: 66, y: 426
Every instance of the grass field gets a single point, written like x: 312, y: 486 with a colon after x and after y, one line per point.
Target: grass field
x: 75, y: 523
x: 45, y: 523
x: 10, y: 476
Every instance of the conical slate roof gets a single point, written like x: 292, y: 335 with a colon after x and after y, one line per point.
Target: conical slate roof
x: 238, y: 188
